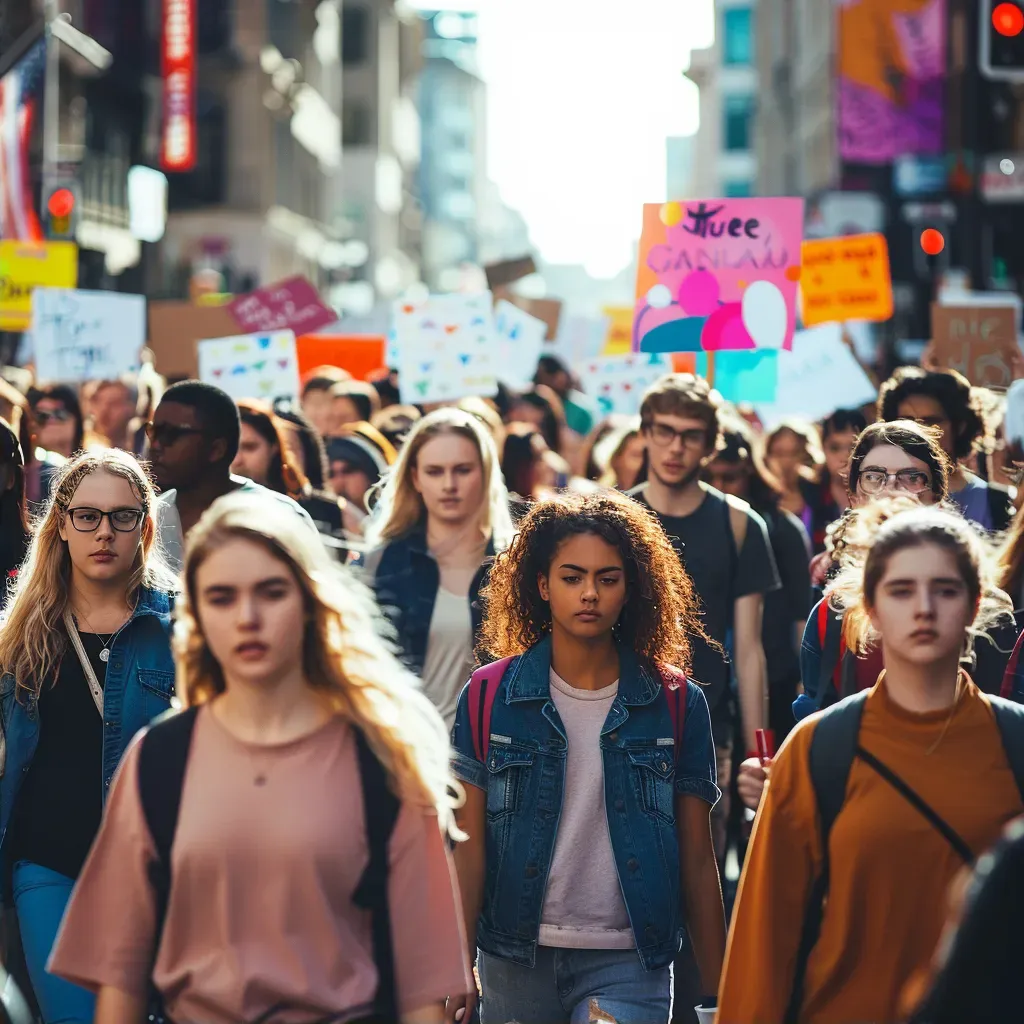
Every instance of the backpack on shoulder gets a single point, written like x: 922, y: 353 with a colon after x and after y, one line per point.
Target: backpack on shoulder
x: 163, y: 759
x: 834, y: 747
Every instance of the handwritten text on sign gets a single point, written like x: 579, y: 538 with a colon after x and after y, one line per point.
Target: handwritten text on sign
x: 979, y: 341
x: 845, y: 279
x: 293, y: 304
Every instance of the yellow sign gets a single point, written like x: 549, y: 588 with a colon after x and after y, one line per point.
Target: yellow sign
x: 25, y: 266
x: 619, y: 339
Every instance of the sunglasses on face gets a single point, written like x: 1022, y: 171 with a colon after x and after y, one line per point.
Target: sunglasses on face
x: 43, y: 416
x: 87, y: 520
x: 166, y: 435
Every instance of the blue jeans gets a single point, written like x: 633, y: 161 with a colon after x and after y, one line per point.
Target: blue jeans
x: 40, y: 896
x: 567, y: 986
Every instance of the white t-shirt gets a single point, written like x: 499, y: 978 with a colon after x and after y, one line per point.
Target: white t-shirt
x: 449, y: 660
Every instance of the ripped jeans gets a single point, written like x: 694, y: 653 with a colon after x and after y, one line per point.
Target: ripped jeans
x: 574, y: 986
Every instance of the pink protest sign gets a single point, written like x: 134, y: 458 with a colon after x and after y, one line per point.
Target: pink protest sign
x: 718, y: 274
x: 291, y: 304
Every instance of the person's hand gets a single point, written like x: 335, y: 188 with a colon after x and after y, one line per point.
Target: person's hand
x: 750, y: 781
x: 820, y: 565
x: 459, y: 1009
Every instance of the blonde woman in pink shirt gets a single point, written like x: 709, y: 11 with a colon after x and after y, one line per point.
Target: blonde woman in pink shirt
x: 258, y: 847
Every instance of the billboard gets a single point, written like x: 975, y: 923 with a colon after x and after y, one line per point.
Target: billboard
x: 178, y: 70
x: 891, y: 58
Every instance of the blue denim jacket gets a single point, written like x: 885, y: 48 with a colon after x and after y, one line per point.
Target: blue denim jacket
x: 138, y: 686
x: 524, y: 778
x: 406, y: 582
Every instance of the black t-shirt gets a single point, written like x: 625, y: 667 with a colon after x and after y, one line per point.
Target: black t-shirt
x: 57, y: 812
x: 706, y: 545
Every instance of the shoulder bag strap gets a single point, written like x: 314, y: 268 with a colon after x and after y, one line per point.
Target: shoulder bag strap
x: 90, y: 675
x: 1010, y: 719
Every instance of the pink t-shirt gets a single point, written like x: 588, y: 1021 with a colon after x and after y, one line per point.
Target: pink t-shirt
x: 260, y: 910
x: 583, y: 905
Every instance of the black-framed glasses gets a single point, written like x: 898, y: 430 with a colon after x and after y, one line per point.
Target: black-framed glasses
x: 167, y: 434
x: 43, y: 416
x: 663, y: 435
x: 87, y: 520
x: 913, y: 481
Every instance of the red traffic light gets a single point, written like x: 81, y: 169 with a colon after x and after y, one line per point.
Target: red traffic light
x: 1008, y: 19
x: 62, y: 203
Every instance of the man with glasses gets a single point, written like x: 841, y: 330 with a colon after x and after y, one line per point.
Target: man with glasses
x: 193, y: 439
x: 723, y: 545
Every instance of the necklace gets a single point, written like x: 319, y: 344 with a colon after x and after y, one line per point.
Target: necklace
x: 105, y: 652
x: 949, y: 718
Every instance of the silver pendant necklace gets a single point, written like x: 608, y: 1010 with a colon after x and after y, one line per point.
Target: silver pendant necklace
x: 111, y: 637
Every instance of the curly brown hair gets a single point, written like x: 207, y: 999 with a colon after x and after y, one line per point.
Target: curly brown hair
x: 663, y: 610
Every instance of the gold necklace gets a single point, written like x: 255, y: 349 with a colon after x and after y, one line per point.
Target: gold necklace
x: 949, y: 718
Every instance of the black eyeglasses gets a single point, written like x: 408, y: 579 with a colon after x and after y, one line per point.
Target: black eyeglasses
x: 87, y: 520
x: 663, y: 435
x: 43, y: 416
x: 167, y: 434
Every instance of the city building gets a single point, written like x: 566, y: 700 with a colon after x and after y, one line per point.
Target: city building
x: 726, y: 75
x: 453, y: 167
x: 680, y: 155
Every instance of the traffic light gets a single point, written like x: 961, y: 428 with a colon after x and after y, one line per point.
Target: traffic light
x: 61, y: 210
x: 1002, y: 40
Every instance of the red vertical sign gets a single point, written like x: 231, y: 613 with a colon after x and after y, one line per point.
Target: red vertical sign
x: 178, y: 66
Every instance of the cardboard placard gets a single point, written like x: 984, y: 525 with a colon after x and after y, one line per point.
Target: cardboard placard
x: 845, y: 279
x: 85, y: 335
x: 290, y: 304
x: 500, y: 275
x: 618, y: 383
x: 262, y: 366
x: 520, y: 339
x: 979, y: 341
x: 176, y: 328
x: 718, y: 274
x: 548, y: 310
x: 25, y: 266
x: 359, y: 354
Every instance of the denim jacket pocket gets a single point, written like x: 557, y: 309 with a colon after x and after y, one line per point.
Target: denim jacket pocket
x: 506, y: 766
x: 654, y: 771
x: 157, y: 681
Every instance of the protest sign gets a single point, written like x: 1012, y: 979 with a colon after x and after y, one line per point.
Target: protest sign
x: 618, y: 383
x: 845, y: 279
x: 176, y: 327
x: 579, y: 338
x: 293, y: 303
x: 718, y: 274
x: 81, y: 335
x: 818, y: 376
x: 520, y: 339
x: 619, y: 339
x: 979, y: 341
x: 446, y: 347
x: 25, y: 266
x: 548, y: 310
x: 261, y: 366
x: 359, y: 354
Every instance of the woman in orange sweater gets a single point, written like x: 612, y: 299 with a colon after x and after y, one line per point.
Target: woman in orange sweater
x: 876, y: 804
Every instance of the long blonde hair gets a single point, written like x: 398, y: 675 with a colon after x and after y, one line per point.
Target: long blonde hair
x: 400, y: 508
x: 344, y: 652
x: 32, y: 640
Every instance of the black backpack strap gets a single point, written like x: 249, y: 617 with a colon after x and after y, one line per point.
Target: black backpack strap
x: 380, y: 808
x: 1000, y: 507
x: 1010, y: 719
x: 833, y: 748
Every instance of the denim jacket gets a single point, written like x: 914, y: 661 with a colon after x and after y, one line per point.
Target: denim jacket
x: 405, y: 579
x: 138, y: 686
x: 524, y: 778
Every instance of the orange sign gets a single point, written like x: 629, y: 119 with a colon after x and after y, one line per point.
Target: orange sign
x: 360, y: 354
x: 845, y: 279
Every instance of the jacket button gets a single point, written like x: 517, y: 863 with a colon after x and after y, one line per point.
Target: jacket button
x: 663, y: 765
x: 613, y: 736
x: 620, y: 805
x: 531, y: 871
x: 633, y: 864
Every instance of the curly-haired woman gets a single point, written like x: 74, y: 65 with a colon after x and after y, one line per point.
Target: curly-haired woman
x: 590, y: 773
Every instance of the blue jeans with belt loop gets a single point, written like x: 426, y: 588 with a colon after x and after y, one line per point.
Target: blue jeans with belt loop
x: 574, y: 986
x: 40, y: 897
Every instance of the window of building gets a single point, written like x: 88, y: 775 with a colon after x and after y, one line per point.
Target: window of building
x: 356, y: 126
x: 738, y: 36
x: 739, y: 189
x: 355, y: 35
x: 739, y: 123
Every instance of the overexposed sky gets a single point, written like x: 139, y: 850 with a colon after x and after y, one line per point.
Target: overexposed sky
x: 582, y: 94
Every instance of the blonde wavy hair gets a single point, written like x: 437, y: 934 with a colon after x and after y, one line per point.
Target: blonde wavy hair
x: 400, y: 508
x: 345, y: 654
x: 880, y: 529
x: 32, y: 640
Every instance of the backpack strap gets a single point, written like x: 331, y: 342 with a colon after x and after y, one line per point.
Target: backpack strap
x: 1008, y: 687
x: 380, y: 810
x: 833, y: 654
x: 833, y: 748
x: 1000, y: 507
x: 675, y: 685
x: 483, y: 687
x: 163, y: 758
x: 1010, y: 719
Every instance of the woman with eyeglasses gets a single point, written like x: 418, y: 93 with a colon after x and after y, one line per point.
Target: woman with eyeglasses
x: 57, y: 413
x: 14, y: 532
x: 85, y: 648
